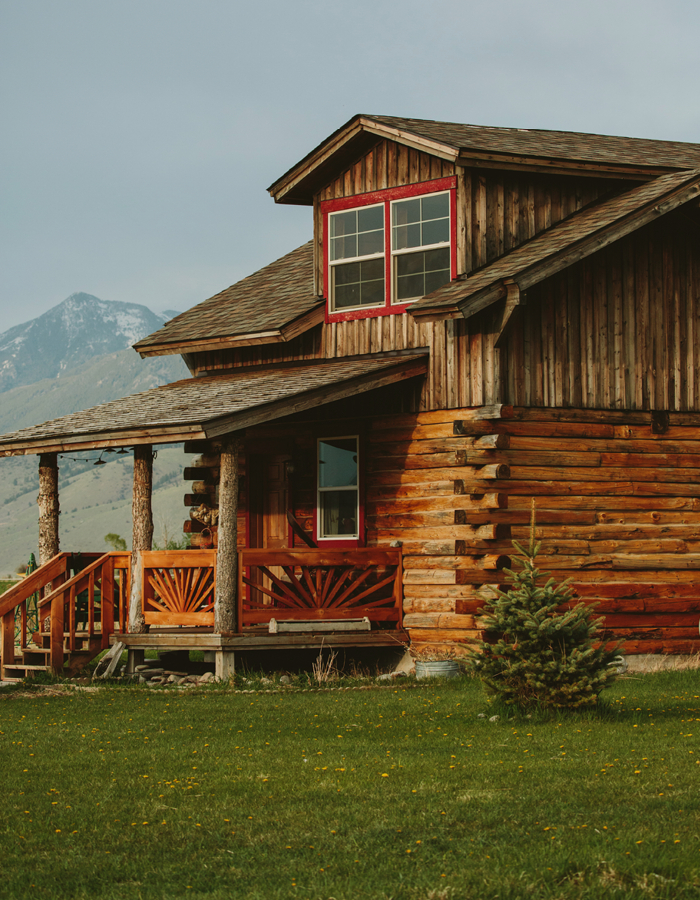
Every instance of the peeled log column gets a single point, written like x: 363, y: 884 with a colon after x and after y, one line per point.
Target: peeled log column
x: 48, y: 506
x: 227, y: 552
x: 142, y: 534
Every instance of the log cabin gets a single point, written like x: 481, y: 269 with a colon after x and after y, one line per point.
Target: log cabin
x: 482, y: 316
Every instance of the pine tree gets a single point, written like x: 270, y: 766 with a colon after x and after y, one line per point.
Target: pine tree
x: 539, y: 656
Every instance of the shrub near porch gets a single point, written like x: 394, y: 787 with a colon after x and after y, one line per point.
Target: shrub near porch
x: 387, y: 792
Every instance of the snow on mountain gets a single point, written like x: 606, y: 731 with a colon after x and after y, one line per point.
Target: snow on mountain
x: 78, y: 329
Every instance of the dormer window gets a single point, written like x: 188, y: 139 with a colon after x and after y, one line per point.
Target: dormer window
x: 386, y: 249
x: 357, y: 257
x: 420, y: 223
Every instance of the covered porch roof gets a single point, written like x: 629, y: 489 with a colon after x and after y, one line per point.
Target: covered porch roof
x: 210, y: 406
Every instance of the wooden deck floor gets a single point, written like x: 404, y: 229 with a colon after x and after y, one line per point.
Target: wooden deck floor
x: 206, y: 639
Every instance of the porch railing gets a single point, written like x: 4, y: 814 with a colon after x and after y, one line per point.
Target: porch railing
x: 178, y: 587
x: 76, y: 614
x: 319, y: 584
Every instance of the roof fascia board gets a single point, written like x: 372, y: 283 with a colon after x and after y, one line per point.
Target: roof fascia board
x: 101, y: 442
x: 289, y: 181
x: 435, y: 148
x: 306, y: 167
x: 314, y: 398
x: 545, y: 166
x: 225, y: 343
x: 279, y: 335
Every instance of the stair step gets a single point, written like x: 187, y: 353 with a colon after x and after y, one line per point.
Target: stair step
x: 24, y: 668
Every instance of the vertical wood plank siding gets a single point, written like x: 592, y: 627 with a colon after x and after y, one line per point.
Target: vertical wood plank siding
x: 618, y: 330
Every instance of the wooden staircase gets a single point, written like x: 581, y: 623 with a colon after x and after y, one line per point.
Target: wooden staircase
x: 35, y: 657
x: 76, y: 614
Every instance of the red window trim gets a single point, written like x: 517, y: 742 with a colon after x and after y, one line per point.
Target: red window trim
x: 386, y: 196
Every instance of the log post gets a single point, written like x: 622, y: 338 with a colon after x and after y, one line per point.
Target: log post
x: 227, y: 552
x: 48, y: 507
x: 142, y: 533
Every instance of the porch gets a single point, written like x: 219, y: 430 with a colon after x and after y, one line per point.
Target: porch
x: 77, y: 605
x: 219, y: 595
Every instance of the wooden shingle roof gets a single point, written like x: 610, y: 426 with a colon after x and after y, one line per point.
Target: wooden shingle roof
x: 198, y: 408
x: 271, y: 305
x: 580, y: 235
x: 485, y: 146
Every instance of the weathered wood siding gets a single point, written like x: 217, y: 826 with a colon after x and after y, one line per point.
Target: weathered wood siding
x: 619, y: 330
x: 505, y: 209
x: 496, y: 212
x: 618, y: 512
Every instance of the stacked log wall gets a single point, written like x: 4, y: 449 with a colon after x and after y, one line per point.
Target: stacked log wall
x: 618, y: 512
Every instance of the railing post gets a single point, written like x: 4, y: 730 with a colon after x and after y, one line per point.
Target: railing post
x: 48, y: 509
x: 57, y: 629
x: 107, y: 594
x: 227, y: 552
x: 7, y: 639
x: 142, y: 536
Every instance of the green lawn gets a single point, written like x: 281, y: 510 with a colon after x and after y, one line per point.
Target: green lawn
x: 391, y: 792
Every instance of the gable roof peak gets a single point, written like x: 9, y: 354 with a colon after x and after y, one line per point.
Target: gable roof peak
x: 484, y: 145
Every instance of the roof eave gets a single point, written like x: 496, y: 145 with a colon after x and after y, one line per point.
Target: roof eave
x: 298, y: 185
x: 284, y: 333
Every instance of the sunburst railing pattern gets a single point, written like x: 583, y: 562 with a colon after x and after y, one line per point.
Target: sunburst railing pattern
x: 323, y: 584
x: 178, y: 587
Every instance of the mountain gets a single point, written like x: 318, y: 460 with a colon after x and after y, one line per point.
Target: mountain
x: 74, y: 356
x: 101, y: 379
x: 79, y: 329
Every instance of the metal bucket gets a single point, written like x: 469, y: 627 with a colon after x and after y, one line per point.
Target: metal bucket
x: 437, y: 668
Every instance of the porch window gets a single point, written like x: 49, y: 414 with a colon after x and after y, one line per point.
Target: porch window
x: 338, y: 488
x: 386, y: 249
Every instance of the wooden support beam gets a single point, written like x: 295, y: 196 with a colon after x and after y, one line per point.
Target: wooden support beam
x: 227, y: 551
x: 142, y: 534
x: 48, y: 507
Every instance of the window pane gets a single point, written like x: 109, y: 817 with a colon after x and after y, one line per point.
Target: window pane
x: 437, y: 259
x: 337, y: 462
x: 436, y: 207
x: 346, y: 296
x: 436, y: 232
x: 406, y: 211
x: 370, y: 242
x: 370, y: 219
x: 406, y: 236
x: 358, y: 284
x: 344, y: 223
x: 410, y: 264
x: 347, y: 274
x: 417, y: 274
x: 372, y: 269
x: 344, y: 247
x: 410, y: 286
x: 372, y: 293
x: 338, y: 513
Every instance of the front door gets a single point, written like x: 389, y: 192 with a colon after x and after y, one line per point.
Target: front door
x: 268, y: 498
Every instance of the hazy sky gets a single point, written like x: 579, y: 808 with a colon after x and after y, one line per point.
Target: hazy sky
x: 138, y: 136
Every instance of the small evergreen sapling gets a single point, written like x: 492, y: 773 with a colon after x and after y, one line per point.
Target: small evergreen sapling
x: 541, y: 657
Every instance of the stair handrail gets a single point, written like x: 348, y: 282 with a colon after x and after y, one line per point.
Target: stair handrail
x: 45, y: 574
x: 57, y: 601
x: 53, y: 570
x: 75, y: 581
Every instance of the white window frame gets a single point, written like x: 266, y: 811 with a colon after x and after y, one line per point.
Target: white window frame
x: 320, y: 490
x: 396, y: 253
x: 339, y: 262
